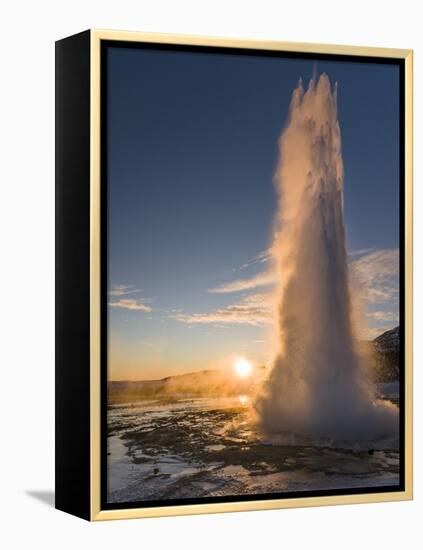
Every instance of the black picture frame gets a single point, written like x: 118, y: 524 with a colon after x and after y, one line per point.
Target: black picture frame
x: 81, y: 434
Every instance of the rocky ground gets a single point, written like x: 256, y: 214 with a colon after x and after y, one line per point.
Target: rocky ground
x: 188, y: 448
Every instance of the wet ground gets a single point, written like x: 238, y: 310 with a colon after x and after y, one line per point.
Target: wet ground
x: 189, y: 448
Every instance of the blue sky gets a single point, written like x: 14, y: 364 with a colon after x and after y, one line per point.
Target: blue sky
x: 191, y: 155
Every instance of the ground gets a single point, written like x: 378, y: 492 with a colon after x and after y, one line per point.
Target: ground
x: 202, y: 447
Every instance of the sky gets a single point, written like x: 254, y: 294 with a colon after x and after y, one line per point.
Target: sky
x: 192, y: 149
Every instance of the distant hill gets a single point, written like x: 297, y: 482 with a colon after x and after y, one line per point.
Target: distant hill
x: 389, y: 341
x: 201, y: 383
x: 386, y: 356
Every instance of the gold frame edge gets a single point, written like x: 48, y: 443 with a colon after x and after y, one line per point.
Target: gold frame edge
x: 96, y: 514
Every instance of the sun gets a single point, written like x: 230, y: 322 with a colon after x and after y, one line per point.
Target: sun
x: 243, y: 368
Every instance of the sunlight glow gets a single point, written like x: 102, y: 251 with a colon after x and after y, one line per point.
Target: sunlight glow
x: 243, y: 399
x: 243, y: 368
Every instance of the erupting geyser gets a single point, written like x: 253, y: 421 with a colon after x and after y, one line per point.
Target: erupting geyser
x: 317, y: 385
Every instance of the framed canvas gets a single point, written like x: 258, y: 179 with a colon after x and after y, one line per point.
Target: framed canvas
x: 233, y: 275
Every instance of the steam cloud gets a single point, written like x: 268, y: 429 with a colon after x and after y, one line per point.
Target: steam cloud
x: 317, y: 385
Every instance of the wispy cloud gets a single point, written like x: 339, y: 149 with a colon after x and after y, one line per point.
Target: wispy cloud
x: 123, y: 290
x: 240, y: 285
x: 378, y: 274
x: 383, y: 316
x: 261, y: 258
x: 376, y: 270
x: 250, y: 310
x: 360, y: 252
x: 132, y: 304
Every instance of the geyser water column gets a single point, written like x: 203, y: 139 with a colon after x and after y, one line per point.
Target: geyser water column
x: 317, y: 384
